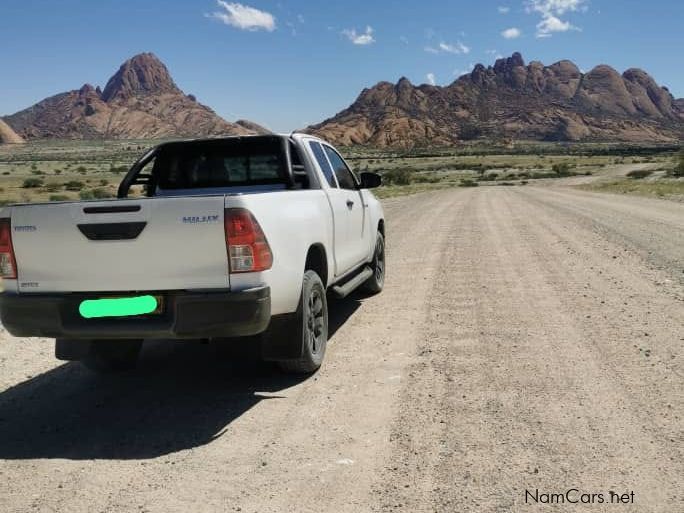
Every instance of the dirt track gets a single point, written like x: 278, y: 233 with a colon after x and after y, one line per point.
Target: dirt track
x: 528, y: 338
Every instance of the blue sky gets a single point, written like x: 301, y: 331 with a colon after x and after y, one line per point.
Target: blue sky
x: 287, y: 64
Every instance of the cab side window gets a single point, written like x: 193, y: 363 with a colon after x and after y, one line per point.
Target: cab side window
x: 344, y: 175
x: 323, y: 163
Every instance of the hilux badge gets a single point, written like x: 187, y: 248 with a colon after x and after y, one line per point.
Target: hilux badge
x: 200, y: 219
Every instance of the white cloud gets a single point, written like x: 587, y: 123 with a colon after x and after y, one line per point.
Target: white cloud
x: 300, y: 18
x: 404, y: 39
x: 511, y: 33
x: 550, y: 24
x: 550, y: 11
x: 503, y: 9
x: 365, y: 38
x: 458, y: 48
x: 431, y: 78
x: 555, y: 7
x: 494, y: 53
x: 244, y: 17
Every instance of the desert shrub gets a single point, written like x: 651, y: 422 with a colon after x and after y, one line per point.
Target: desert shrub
x: 37, y: 172
x: 426, y: 179
x: 104, y: 182
x: 397, y: 177
x: 118, y: 169
x: 32, y: 183
x: 58, y: 171
x: 86, y: 195
x: 638, y: 174
x: 81, y: 169
x: 52, y: 187
x: 58, y: 197
x: 101, y: 193
x: 562, y: 169
x: 73, y: 185
x: 5, y: 172
x: 678, y: 171
x: 537, y: 176
x: 467, y: 182
x: 524, y: 182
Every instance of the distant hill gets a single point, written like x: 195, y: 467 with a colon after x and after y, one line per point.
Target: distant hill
x: 7, y: 135
x: 141, y: 100
x: 512, y: 100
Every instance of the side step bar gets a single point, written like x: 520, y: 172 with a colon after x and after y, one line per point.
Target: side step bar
x: 346, y: 288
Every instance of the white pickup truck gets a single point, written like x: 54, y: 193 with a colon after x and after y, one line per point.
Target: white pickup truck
x: 207, y: 239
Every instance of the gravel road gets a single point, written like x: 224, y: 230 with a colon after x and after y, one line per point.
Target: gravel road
x: 529, y: 338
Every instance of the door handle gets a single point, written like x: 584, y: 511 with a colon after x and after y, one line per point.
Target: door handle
x: 350, y: 204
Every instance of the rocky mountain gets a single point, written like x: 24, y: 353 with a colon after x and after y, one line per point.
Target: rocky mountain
x: 512, y: 100
x: 7, y: 135
x: 141, y: 100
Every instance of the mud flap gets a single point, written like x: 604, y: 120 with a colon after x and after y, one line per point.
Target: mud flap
x: 70, y: 349
x: 283, y: 339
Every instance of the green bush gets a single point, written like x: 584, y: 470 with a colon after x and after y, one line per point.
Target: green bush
x: 52, y: 187
x: 101, y: 193
x: 73, y: 185
x: 678, y: 171
x: 562, y: 169
x: 59, y: 197
x: 81, y: 169
x: 639, y: 174
x: 467, y: 182
x: 86, y: 195
x: 32, y: 183
x: 397, y: 177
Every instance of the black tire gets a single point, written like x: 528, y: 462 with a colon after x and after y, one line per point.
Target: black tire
x: 311, y: 325
x: 375, y: 283
x: 107, y: 356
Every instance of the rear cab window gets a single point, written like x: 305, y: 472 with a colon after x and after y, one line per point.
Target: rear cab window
x: 220, y: 164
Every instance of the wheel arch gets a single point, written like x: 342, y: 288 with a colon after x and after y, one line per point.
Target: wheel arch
x: 381, y: 226
x: 317, y: 260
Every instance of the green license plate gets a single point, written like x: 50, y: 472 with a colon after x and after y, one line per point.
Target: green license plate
x: 118, y: 307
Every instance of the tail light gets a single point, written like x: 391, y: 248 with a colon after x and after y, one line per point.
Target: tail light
x: 248, y: 249
x: 8, y: 264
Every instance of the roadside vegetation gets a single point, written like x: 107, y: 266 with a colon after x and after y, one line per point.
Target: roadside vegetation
x: 65, y: 170
x: 664, y: 181
x: 82, y: 170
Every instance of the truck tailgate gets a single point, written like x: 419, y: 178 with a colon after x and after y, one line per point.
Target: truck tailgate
x: 124, y: 245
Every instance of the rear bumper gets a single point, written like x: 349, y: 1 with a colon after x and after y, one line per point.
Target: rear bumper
x: 185, y: 315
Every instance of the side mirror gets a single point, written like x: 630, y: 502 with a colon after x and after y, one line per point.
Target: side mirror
x: 370, y: 180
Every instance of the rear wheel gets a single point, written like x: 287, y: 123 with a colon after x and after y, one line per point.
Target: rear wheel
x: 112, y: 355
x: 311, y: 325
x: 375, y: 283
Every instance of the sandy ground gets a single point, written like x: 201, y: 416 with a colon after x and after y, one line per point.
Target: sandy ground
x: 527, y: 339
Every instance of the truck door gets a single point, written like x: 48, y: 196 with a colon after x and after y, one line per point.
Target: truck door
x: 358, y: 240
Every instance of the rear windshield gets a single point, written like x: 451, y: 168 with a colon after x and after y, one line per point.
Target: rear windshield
x: 222, y: 163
